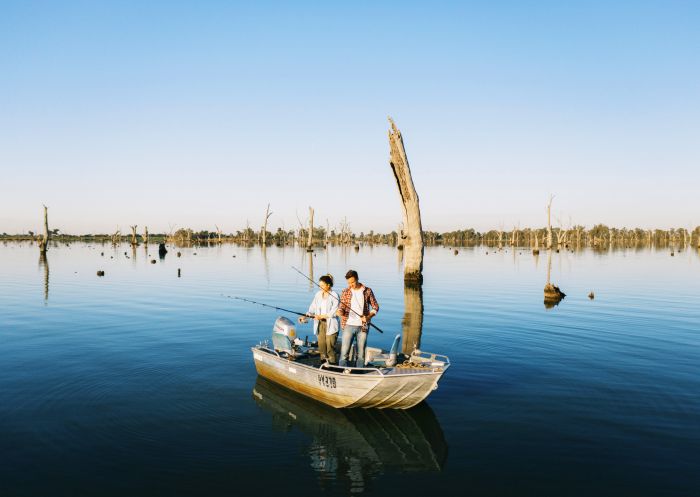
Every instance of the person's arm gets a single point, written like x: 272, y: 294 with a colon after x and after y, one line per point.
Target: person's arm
x: 344, y: 307
x: 312, y: 307
x: 334, y: 305
x: 373, y: 304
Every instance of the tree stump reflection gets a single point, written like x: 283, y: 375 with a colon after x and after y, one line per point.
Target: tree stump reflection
x: 412, y: 322
x: 44, y: 263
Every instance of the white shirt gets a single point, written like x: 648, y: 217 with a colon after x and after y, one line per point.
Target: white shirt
x: 357, y: 307
x: 325, y: 307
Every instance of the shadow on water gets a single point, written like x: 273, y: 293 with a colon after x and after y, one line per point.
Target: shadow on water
x: 355, y: 445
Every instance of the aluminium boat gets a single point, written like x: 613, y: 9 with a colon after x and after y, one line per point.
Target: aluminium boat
x: 388, y: 380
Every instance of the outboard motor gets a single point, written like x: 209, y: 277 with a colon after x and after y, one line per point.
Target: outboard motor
x: 283, y: 335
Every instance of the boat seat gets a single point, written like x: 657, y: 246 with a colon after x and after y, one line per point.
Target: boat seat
x: 380, y: 360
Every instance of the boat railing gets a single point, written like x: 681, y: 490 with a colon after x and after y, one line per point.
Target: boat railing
x: 432, y: 358
x: 262, y: 348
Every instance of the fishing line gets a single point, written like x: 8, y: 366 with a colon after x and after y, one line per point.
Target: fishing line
x: 270, y: 306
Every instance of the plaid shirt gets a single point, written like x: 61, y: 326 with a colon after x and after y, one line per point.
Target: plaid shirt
x: 345, y: 303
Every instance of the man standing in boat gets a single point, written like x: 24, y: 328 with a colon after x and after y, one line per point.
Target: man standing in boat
x: 355, y: 315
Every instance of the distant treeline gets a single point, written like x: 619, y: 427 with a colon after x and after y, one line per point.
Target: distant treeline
x: 599, y: 235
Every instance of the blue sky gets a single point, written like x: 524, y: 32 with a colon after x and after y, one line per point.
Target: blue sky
x: 200, y: 113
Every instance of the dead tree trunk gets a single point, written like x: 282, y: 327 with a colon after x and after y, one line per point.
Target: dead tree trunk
x: 310, y: 240
x: 145, y: 235
x: 264, y: 230
x: 44, y: 242
x: 413, y: 236
x: 549, y: 222
x: 134, y: 241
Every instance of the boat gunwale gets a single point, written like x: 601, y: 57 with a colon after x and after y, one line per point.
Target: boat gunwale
x: 372, y: 372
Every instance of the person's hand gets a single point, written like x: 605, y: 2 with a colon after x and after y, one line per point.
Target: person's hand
x: 302, y: 320
x: 364, y: 319
x: 318, y: 317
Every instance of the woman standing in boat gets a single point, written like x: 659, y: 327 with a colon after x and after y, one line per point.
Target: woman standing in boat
x: 323, y: 311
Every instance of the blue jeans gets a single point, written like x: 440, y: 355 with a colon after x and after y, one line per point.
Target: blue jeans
x: 350, y: 333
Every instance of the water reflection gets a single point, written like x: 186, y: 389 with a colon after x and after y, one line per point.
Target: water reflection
x: 266, y: 263
x: 412, y: 322
x: 44, y: 262
x: 311, y: 270
x: 352, y: 446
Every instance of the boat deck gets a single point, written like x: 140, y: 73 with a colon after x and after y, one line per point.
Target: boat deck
x: 314, y: 360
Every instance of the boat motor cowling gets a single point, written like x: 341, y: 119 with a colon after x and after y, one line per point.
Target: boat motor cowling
x: 283, y: 335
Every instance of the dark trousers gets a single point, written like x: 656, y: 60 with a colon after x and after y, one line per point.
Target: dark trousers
x: 326, y: 343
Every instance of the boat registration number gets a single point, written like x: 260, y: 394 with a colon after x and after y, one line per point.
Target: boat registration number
x: 326, y: 381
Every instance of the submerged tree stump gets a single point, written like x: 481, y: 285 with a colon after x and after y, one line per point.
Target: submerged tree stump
x: 552, y: 294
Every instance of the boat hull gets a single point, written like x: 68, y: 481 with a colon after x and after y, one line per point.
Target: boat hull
x: 393, y: 388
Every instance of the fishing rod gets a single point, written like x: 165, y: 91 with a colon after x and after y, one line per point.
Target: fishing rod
x: 336, y: 298
x: 270, y: 306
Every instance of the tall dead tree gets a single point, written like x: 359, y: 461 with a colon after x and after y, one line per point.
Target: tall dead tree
x: 44, y: 242
x: 145, y: 235
x: 549, y: 222
x: 264, y: 228
x: 412, y: 238
x: 134, y: 240
x: 310, y: 241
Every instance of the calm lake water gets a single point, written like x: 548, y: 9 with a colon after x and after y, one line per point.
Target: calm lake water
x: 142, y: 383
